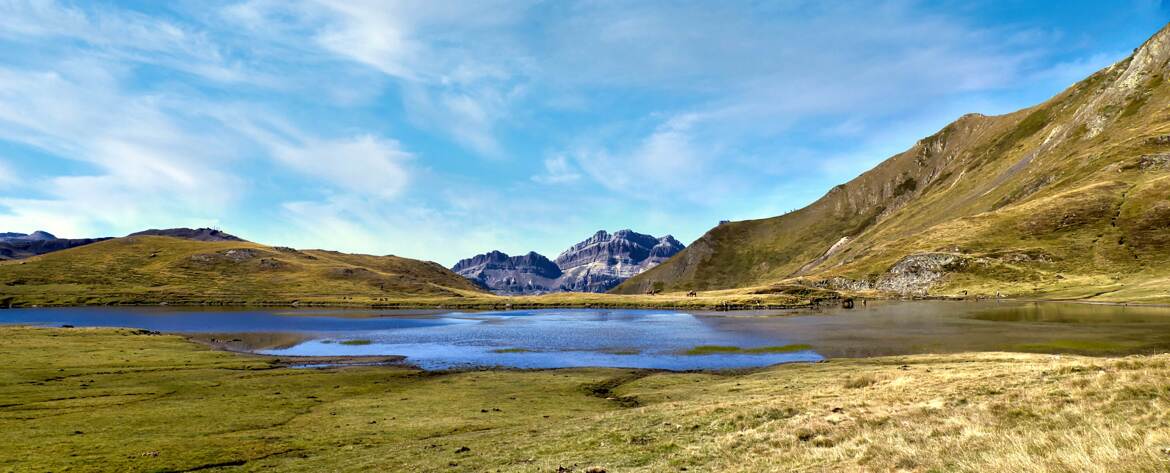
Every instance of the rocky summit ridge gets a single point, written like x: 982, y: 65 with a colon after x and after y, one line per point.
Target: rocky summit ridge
x: 597, y: 264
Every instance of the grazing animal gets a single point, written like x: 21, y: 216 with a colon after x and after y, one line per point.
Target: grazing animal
x: 692, y: 294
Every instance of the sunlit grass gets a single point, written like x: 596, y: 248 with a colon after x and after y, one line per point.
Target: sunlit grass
x: 115, y: 400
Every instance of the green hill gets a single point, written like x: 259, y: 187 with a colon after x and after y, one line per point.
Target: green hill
x: 1067, y: 199
x: 161, y: 269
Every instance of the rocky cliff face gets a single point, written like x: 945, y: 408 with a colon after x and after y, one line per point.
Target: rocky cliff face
x: 20, y: 245
x: 597, y: 264
x: 603, y: 261
x: 511, y: 275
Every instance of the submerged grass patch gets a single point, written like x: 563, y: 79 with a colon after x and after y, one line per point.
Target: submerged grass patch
x: 511, y: 350
x: 356, y: 342
x: 718, y: 349
x: 623, y: 351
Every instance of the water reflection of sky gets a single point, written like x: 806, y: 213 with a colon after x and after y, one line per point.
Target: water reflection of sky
x: 655, y: 338
x: 559, y: 338
x: 529, y: 339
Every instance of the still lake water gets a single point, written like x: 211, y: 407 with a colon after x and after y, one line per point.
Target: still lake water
x: 557, y: 338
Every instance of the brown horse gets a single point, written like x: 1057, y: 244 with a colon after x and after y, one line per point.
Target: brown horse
x: 692, y: 294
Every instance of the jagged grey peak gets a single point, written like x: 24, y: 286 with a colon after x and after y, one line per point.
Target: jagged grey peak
x: 511, y: 275
x: 597, y: 264
x: 603, y: 261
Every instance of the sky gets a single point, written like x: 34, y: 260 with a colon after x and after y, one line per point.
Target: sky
x: 443, y: 129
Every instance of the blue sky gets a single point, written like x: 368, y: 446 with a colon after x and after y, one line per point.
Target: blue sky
x: 442, y: 129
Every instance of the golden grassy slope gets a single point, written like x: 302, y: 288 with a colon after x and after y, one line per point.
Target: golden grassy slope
x: 166, y: 270
x: 153, y: 269
x: 114, y: 400
x: 1050, y: 201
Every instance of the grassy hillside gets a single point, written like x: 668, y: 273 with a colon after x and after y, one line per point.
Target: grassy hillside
x: 168, y: 270
x: 118, y: 400
x: 156, y: 269
x: 1064, y: 199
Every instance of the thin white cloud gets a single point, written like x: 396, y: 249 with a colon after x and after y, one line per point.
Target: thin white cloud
x: 364, y: 164
x: 7, y: 175
x: 156, y: 156
x: 120, y: 35
x: 452, y: 59
x: 350, y: 223
x: 667, y: 165
x: 557, y: 170
x: 142, y: 165
x: 467, y: 116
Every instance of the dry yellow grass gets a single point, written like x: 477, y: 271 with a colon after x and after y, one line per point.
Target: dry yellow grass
x: 159, y: 403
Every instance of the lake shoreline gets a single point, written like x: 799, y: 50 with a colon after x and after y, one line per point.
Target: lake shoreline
x: 646, y: 339
x: 706, y: 309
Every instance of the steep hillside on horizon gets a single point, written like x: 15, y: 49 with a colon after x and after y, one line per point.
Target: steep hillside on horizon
x: 149, y: 269
x: 597, y: 264
x: 1069, y: 198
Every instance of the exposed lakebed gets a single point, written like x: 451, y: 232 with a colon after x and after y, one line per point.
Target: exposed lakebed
x: 674, y: 340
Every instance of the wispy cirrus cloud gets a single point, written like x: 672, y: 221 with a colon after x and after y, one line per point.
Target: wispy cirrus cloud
x: 557, y: 170
x: 361, y: 124
x: 364, y: 164
x: 458, y: 64
x: 145, y: 151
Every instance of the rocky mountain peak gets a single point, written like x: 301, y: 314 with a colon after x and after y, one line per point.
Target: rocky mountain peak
x: 35, y: 236
x: 524, y: 274
x: 596, y: 264
x: 197, y: 234
x: 21, y: 245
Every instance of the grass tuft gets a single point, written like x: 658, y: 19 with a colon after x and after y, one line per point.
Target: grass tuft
x: 511, y: 350
x: 860, y: 381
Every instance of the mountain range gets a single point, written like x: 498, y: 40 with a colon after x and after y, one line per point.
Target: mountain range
x: 597, y: 264
x: 1066, y: 199
x: 20, y: 245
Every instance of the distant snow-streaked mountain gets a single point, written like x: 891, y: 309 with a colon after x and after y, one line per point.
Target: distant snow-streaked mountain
x: 597, y: 264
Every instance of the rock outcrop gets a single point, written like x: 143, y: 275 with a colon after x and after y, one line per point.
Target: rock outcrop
x: 597, y: 264
x: 197, y: 234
